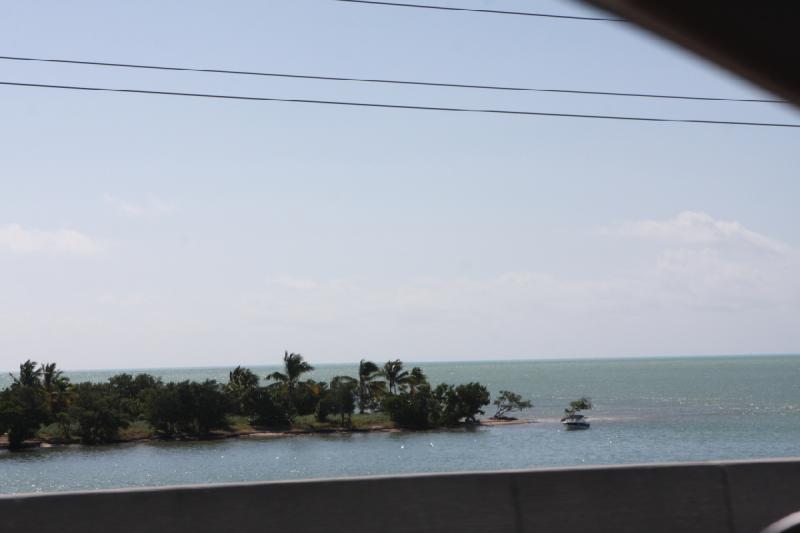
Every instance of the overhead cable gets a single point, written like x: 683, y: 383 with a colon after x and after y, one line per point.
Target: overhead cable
x: 388, y: 81
x: 490, y: 11
x: 400, y: 106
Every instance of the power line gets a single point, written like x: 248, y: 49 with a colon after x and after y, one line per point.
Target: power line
x: 491, y: 11
x: 388, y: 81
x: 398, y: 106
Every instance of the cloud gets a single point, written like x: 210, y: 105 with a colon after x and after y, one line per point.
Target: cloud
x: 16, y: 239
x: 697, y: 228
x: 711, y: 264
x: 296, y: 283
x: 151, y: 208
x: 699, y: 265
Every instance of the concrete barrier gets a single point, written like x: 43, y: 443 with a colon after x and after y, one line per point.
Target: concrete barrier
x: 736, y: 497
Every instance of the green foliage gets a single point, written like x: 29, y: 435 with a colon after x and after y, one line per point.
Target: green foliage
x: 294, y: 366
x: 29, y: 375
x: 413, y: 411
x: 576, y: 406
x: 471, y: 397
x: 137, y: 429
x: 357, y: 421
x: 339, y: 399
x: 509, y: 402
x: 416, y: 379
x: 162, y: 409
x: 24, y: 408
x: 26, y: 404
x: 396, y: 377
x: 57, y: 386
x: 58, y: 390
x: 242, y: 384
x: 129, y: 386
x: 343, y: 397
x: 370, y: 388
x: 186, y: 407
x: 444, y: 405
x: 131, y: 392
x: 463, y: 402
x: 139, y: 406
x: 95, y: 410
x: 208, y: 406
x: 325, y: 404
x: 307, y: 395
x: 269, y: 407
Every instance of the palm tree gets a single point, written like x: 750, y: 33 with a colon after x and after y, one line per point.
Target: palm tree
x: 242, y: 383
x: 29, y: 374
x: 294, y: 366
x: 242, y: 378
x: 369, y: 388
x: 52, y: 377
x: 56, y: 384
x: 395, y: 376
x: 343, y: 391
x: 416, y: 379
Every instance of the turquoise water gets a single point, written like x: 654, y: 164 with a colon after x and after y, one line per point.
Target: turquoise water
x: 646, y: 410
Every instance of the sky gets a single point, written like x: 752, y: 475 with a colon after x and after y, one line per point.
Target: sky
x: 150, y: 231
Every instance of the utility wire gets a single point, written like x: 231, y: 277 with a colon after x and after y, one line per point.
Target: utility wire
x: 388, y: 81
x: 397, y: 106
x: 491, y: 11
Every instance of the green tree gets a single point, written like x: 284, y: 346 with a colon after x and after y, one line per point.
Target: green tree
x: 294, y: 366
x: 471, y: 397
x: 396, y: 377
x: 508, y: 402
x: 162, y: 409
x: 325, y: 404
x: 463, y: 402
x: 208, y: 406
x: 307, y: 395
x: 52, y: 378
x: 131, y: 392
x: 30, y: 375
x: 576, y: 406
x: 242, y: 384
x: 57, y: 388
x: 122, y: 384
x: 268, y: 407
x: 129, y: 386
x: 95, y: 410
x: 370, y: 388
x: 416, y: 379
x: 414, y: 411
x: 343, y: 395
x: 186, y: 407
x: 448, y: 412
x: 24, y: 406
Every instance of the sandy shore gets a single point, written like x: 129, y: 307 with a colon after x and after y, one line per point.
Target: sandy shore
x: 507, y: 422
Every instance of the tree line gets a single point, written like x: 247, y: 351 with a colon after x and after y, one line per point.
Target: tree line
x: 94, y: 413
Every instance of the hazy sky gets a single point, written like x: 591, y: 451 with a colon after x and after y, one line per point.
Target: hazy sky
x: 140, y: 231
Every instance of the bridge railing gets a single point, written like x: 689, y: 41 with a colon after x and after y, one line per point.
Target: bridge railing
x: 741, y: 497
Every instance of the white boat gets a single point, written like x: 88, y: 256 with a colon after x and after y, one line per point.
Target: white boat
x: 575, y: 421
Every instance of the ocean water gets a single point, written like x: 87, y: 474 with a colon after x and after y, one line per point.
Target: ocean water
x: 646, y: 410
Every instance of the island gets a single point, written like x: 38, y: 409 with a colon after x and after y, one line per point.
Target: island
x: 42, y: 407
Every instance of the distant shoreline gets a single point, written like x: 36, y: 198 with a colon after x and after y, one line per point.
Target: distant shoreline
x: 265, y: 434
x: 587, y: 359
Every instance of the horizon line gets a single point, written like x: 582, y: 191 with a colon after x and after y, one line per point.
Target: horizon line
x: 441, y: 361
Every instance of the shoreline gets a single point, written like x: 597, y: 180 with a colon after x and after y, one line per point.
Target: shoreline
x: 264, y: 434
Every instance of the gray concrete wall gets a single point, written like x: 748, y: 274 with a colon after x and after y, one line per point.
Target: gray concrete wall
x: 736, y: 497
